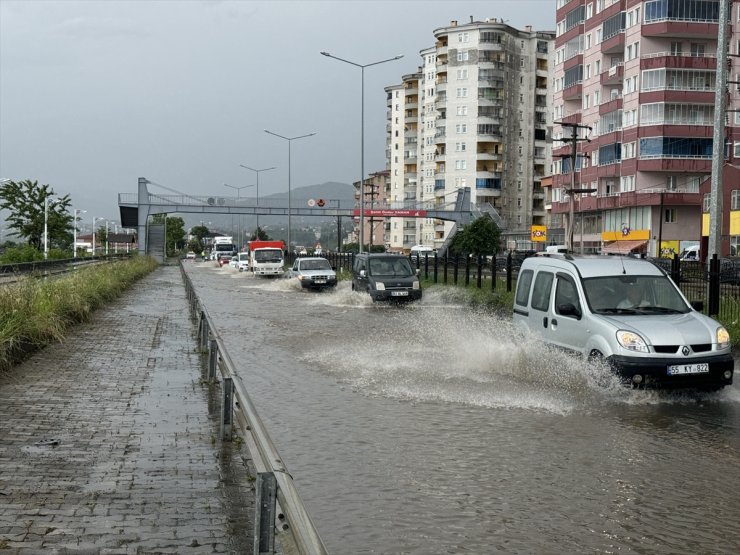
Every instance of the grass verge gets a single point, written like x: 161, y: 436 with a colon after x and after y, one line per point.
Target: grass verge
x: 34, y: 313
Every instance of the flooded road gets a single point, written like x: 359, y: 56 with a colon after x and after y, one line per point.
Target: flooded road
x: 434, y: 428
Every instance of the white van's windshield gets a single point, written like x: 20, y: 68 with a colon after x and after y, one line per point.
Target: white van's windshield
x: 625, y: 294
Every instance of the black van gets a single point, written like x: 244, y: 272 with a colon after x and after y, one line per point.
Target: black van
x: 386, y: 277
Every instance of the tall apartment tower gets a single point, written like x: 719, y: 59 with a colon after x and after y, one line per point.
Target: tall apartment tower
x: 475, y: 115
x: 641, y: 75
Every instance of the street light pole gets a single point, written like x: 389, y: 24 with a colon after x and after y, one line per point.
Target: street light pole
x: 95, y: 219
x: 362, y: 135
x: 46, y: 227
x: 290, y: 140
x: 258, y: 190
x: 239, y: 227
x: 74, y: 241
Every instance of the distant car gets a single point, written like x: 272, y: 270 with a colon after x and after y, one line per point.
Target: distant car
x: 234, y: 261
x: 243, y: 261
x: 313, y: 273
x: 190, y: 256
x: 224, y: 260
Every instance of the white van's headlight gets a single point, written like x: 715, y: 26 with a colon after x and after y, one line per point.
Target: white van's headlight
x: 723, y: 338
x: 632, y: 341
x: 379, y: 286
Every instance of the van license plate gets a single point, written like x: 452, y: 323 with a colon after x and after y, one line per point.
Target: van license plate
x: 399, y: 293
x: 677, y: 369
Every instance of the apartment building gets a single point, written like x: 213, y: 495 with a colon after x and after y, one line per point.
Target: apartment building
x: 476, y: 114
x: 374, y: 189
x: 638, y: 78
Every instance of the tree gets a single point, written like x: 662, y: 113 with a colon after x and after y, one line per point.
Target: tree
x: 479, y: 238
x: 27, y: 201
x: 195, y: 246
x: 199, y: 232
x: 259, y: 235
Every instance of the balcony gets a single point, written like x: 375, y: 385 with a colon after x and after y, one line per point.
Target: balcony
x: 628, y: 199
x: 612, y: 76
x: 489, y: 155
x: 699, y: 164
x: 572, y: 118
x: 659, y: 60
x: 610, y: 106
x: 412, y: 90
x: 684, y: 29
x: 573, y: 92
x: 613, y: 45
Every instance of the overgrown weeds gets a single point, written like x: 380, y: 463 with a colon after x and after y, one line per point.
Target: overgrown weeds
x: 34, y: 313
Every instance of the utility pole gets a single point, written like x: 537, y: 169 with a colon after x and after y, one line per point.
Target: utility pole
x: 573, y: 139
x: 718, y: 143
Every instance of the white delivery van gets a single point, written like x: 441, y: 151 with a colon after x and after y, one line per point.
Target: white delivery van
x: 627, y: 312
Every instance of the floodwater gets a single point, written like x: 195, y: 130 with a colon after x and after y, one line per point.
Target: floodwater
x: 434, y: 428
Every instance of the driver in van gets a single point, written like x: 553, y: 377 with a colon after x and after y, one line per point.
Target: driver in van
x: 634, y: 297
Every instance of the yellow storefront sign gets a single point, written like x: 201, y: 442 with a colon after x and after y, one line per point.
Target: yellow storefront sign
x: 538, y: 233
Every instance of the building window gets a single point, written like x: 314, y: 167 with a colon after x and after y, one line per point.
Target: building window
x: 462, y: 74
x: 463, y: 55
x: 462, y: 92
x: 459, y: 147
x: 670, y: 216
x: 461, y: 128
x: 735, y: 199
x: 735, y: 239
x: 705, y: 203
x: 460, y: 164
x: 463, y: 37
x: 697, y: 49
x: 462, y: 110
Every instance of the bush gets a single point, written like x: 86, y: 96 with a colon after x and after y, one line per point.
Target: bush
x: 33, y: 313
x: 25, y: 253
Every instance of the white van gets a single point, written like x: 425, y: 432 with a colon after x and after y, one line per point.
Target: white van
x: 421, y: 252
x: 627, y: 312
x: 691, y: 253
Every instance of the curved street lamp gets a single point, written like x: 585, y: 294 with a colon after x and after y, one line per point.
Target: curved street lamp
x: 258, y: 188
x: 362, y: 136
x: 77, y: 211
x: 239, y: 227
x: 290, y: 140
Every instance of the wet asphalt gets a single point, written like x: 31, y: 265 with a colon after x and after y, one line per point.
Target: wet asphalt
x: 109, y: 440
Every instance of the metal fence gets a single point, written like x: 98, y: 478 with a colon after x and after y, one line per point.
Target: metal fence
x: 279, y: 511
x: 716, y: 286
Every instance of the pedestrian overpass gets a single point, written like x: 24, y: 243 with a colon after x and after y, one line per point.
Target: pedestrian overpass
x: 136, y: 208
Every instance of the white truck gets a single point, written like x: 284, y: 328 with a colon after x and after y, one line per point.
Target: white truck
x: 266, y: 258
x: 223, y: 246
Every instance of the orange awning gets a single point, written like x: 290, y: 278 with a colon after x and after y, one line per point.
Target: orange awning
x: 623, y: 247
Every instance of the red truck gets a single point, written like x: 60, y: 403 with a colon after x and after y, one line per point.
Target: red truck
x: 266, y: 258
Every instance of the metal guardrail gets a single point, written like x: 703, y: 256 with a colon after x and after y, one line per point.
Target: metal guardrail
x: 278, y: 508
x: 11, y: 273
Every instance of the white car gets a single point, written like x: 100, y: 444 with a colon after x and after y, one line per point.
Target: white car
x: 242, y: 263
x: 313, y: 273
x: 234, y: 262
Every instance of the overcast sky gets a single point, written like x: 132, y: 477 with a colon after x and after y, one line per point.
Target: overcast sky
x: 95, y: 94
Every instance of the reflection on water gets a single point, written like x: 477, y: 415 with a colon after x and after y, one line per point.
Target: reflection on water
x: 434, y: 428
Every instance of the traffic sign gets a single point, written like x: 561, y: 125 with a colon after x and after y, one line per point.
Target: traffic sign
x: 311, y: 202
x: 320, y: 202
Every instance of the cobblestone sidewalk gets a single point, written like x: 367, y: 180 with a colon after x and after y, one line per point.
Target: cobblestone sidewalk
x: 108, y: 441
